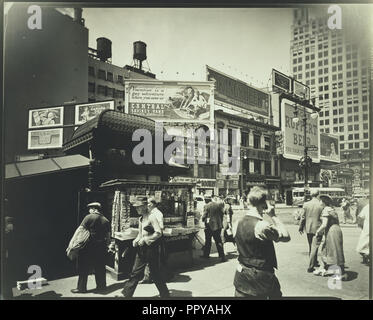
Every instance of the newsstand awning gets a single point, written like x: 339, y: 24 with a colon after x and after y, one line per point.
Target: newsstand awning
x: 43, y: 166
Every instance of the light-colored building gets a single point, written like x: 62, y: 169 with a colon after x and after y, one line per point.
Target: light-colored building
x: 336, y: 64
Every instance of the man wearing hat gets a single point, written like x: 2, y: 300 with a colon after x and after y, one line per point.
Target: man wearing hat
x: 93, y: 255
x: 147, y: 243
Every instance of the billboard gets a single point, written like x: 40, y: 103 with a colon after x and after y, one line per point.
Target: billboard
x: 171, y: 101
x: 281, y: 82
x: 329, y: 147
x: 301, y: 90
x: 45, y: 139
x: 45, y: 117
x: 87, y: 111
x: 293, y: 134
x: 239, y: 93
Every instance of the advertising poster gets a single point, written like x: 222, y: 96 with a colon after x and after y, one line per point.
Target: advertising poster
x: 45, y: 139
x: 87, y: 111
x: 171, y: 101
x: 329, y: 147
x: 45, y: 117
x: 293, y: 134
x: 239, y: 93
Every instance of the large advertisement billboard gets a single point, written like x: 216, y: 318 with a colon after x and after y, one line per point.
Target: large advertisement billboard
x: 171, y: 101
x: 87, y: 111
x: 329, y: 147
x: 293, y: 133
x: 239, y: 93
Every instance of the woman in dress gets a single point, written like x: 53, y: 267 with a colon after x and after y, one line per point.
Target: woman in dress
x: 363, y: 244
x: 332, y: 252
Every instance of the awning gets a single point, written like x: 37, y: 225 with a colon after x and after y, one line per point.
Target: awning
x: 43, y: 166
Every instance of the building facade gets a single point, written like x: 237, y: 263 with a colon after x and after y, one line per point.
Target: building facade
x: 335, y: 64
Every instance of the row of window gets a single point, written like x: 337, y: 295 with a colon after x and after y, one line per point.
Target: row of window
x: 350, y: 128
x: 258, y: 167
x: 103, y: 75
x: 105, y: 91
x: 355, y: 136
x: 350, y: 119
x: 355, y: 145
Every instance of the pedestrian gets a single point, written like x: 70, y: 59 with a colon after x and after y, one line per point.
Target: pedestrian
x: 363, y: 244
x: 345, y: 205
x: 332, y: 251
x: 152, y: 209
x: 227, y: 230
x: 255, y: 276
x: 310, y: 222
x: 213, y: 219
x: 93, y: 255
x: 147, y: 243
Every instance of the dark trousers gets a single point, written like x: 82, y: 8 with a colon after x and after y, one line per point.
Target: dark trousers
x: 218, y: 242
x: 316, y: 241
x: 89, y: 260
x: 146, y: 255
x: 309, y: 239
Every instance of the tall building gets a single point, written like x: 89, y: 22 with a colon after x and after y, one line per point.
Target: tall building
x: 335, y: 64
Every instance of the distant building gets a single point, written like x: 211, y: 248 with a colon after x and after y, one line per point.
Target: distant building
x: 336, y: 65
x: 46, y: 67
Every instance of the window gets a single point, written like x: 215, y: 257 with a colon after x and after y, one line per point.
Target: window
x: 341, y: 129
x: 101, y: 90
x: 256, y: 141
x: 365, y: 107
x: 267, y: 143
x: 327, y: 122
x: 350, y: 145
x: 335, y: 120
x: 356, y: 136
x: 325, y: 70
x: 335, y: 129
x: 342, y: 146
x: 267, y: 168
x: 335, y: 112
x: 120, y: 79
x: 119, y: 94
x: 326, y: 79
x: 334, y: 68
x: 91, y: 71
x: 340, y: 94
x: 110, y: 77
x: 295, y: 69
x: 350, y: 127
x: 257, y: 166
x: 244, y: 139
x: 102, y: 74
x: 321, y: 87
x: 340, y: 120
x: 365, y: 126
x: 327, y: 130
x: 349, y: 110
x: 91, y: 87
x: 335, y: 94
x: 300, y: 60
x: 320, y: 63
x: 339, y: 58
x: 349, y: 119
x: 366, y: 145
x: 350, y: 136
x: 356, y: 127
x: 341, y: 138
x: 321, y: 122
x: 312, y: 65
x: 110, y: 92
x: 340, y: 103
x: 327, y: 113
x: 365, y: 135
x: 365, y: 116
x: 357, y: 144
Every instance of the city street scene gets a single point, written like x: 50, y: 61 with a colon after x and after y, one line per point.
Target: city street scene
x: 186, y: 152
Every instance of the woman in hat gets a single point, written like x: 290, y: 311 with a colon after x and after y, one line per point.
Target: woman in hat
x: 147, y: 243
x: 332, y: 252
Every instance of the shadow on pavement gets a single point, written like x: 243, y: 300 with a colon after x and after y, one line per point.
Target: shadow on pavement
x: 180, y: 278
x: 44, y: 296
x: 180, y: 293
x: 351, y: 275
x: 109, y: 289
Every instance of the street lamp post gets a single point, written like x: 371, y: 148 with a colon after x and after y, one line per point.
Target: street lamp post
x: 305, y: 162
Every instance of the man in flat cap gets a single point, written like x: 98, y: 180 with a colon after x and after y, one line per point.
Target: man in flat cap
x: 93, y: 255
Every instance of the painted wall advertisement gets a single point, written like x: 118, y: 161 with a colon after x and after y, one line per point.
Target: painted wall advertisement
x: 171, y: 101
x: 87, y: 111
x: 45, y: 139
x: 329, y: 147
x: 239, y: 93
x: 45, y: 117
x: 293, y: 134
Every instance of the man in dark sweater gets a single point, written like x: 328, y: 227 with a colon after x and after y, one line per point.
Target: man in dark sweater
x: 93, y: 255
x: 254, y: 237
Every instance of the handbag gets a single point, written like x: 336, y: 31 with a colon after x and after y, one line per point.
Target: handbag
x: 77, y: 242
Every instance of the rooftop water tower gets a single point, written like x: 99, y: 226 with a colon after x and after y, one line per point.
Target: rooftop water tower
x: 139, y: 54
x: 103, y: 49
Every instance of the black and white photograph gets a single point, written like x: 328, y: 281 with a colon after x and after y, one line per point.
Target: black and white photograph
x: 182, y: 151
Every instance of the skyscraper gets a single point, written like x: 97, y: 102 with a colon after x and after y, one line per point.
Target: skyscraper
x: 335, y: 64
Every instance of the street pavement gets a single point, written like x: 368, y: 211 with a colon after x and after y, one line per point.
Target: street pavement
x: 212, y: 278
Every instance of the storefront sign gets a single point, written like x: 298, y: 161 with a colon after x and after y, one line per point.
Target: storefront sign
x: 183, y: 180
x: 294, y: 134
x: 170, y: 101
x: 238, y: 93
x: 87, y: 111
x: 45, y: 117
x: 45, y: 139
x: 258, y: 154
x: 279, y: 138
x: 205, y: 183
x: 329, y: 147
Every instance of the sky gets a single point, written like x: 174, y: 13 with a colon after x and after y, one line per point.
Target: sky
x: 245, y: 43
